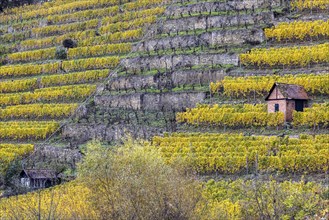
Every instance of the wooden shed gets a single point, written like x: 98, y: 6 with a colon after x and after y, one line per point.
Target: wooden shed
x: 286, y: 98
x: 38, y: 179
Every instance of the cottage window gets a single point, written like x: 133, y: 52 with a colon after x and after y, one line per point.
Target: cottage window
x: 276, y: 107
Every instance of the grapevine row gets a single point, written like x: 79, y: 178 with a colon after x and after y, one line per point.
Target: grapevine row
x: 55, y: 40
x: 19, y: 27
x: 99, y: 50
x: 22, y: 130
x: 122, y: 26
x: 108, y: 15
x: 316, y: 116
x: 70, y: 65
x: 25, y: 8
x: 298, y: 30
x: 259, y: 85
x: 231, y: 116
x: 287, y: 56
x: 52, y: 80
x: 34, y: 55
x: 310, y: 4
x: 84, y: 38
x: 84, y: 15
x: 234, y: 153
x: 60, y: 9
x: 37, y: 111
x: 44, y: 54
x: 51, y: 94
x: 131, y: 15
x: 62, y: 29
x: 129, y: 35
x: 10, y: 152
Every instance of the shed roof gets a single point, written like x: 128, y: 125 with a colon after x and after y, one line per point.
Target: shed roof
x: 289, y: 91
x: 40, y: 174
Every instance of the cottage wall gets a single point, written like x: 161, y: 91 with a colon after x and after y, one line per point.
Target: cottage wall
x: 276, y: 94
x: 286, y: 102
x: 290, y: 108
x: 282, y: 106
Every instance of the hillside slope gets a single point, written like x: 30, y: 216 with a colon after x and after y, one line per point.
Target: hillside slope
x: 53, y: 57
x: 142, y: 67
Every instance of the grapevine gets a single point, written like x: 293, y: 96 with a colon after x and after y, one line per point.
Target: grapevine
x: 231, y: 116
x: 234, y: 153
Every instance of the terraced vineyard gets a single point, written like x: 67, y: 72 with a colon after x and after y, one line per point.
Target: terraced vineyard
x: 40, y: 88
x: 189, y: 76
x: 235, y: 153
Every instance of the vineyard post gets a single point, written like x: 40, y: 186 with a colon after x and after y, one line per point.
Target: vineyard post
x: 294, y: 166
x: 39, y: 205
x: 326, y: 174
x: 256, y: 164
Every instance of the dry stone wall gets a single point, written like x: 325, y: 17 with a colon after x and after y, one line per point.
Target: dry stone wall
x: 151, y: 101
x: 192, y: 45
x: 214, y: 38
x: 179, y: 61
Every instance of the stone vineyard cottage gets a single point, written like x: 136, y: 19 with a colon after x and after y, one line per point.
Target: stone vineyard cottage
x: 286, y: 98
x: 38, y: 179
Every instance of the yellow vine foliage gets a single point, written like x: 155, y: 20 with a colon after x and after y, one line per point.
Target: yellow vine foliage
x: 55, y: 40
x: 27, y: 130
x: 315, y: 116
x: 122, y: 26
x: 298, y: 30
x: 67, y: 201
x: 77, y: 31
x: 231, y: 116
x: 40, y: 111
x: 287, y: 56
x: 29, y: 69
x: 60, y: 9
x: 20, y: 27
x: 232, y: 153
x: 99, y: 50
x: 61, y: 29
x: 91, y: 63
x: 25, y: 8
x: 10, y: 152
x: 33, y: 55
x: 124, y: 36
x: 51, y: 94
x: 310, y: 4
x: 19, y: 85
x: 130, y: 15
x: 73, y: 78
x: 259, y: 85
x: 83, y: 15
x: 143, y: 4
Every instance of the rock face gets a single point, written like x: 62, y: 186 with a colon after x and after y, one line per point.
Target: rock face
x: 192, y: 45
